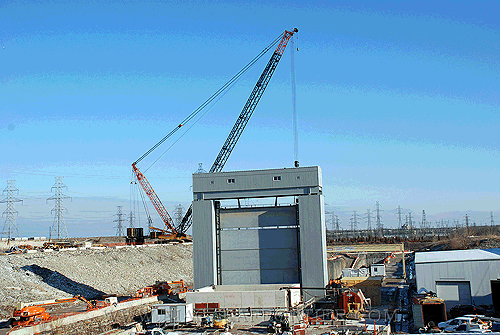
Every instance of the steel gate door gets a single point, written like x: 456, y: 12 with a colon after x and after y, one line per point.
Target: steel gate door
x: 258, y: 246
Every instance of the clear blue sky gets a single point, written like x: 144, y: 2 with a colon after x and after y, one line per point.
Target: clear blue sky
x: 397, y: 101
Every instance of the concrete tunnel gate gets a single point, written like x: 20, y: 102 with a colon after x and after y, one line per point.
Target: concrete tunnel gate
x: 260, y: 245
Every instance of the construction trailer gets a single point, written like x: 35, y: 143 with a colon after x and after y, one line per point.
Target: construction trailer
x: 377, y: 270
x: 349, y: 272
x: 170, y: 314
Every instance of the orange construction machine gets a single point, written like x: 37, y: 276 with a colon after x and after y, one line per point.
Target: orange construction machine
x: 162, y: 288
x: 353, y: 302
x: 35, y: 312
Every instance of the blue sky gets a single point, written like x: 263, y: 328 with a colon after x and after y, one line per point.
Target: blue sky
x: 397, y: 101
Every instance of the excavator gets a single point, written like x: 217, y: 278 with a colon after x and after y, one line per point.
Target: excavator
x: 171, y: 231
x: 28, y: 314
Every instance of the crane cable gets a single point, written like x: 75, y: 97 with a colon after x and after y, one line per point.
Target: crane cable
x: 294, y: 106
x: 213, y: 97
x: 194, y: 123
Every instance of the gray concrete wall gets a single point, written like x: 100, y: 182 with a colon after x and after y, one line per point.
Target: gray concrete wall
x: 335, y: 266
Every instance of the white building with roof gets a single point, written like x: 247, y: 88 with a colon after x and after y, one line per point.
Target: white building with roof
x: 461, y: 276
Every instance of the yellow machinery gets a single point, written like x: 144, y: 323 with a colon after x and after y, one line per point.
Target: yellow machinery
x: 353, y: 311
x: 220, y: 321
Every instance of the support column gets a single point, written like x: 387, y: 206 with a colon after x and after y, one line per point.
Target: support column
x: 204, y: 244
x: 314, y: 270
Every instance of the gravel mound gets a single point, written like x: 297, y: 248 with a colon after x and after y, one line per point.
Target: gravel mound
x: 90, y: 272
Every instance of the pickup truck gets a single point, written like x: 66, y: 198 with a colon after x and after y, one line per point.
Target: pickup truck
x: 154, y: 331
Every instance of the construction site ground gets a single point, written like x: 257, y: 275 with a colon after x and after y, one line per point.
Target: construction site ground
x: 354, y: 326
x: 110, y: 268
x: 92, y: 273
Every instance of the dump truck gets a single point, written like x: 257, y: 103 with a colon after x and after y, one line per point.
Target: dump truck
x: 427, y: 308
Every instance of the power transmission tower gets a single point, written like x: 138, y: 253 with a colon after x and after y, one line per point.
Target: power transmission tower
x: 337, y: 224
x: 467, y: 224
x: 492, y: 223
x: 354, y: 223
x: 424, y: 219
x: 178, y: 214
x: 131, y: 219
x: 368, y: 218
x: 59, y: 225
x: 10, y: 227
x: 119, y: 221
x: 399, y: 217
x: 410, y: 222
x: 200, y: 168
x: 423, y: 224
x: 380, y: 226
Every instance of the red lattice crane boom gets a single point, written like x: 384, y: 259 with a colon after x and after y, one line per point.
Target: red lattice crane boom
x: 155, y: 200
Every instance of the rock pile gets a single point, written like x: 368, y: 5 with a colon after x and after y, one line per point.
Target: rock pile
x: 90, y: 273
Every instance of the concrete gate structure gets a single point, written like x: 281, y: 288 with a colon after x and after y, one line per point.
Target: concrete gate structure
x: 260, y: 245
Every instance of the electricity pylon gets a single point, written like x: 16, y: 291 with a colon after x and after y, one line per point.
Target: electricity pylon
x: 119, y: 221
x: 380, y: 226
x: 10, y: 227
x: 59, y: 225
x: 368, y: 218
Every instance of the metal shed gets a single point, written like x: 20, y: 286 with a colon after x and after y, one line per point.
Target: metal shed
x: 461, y: 276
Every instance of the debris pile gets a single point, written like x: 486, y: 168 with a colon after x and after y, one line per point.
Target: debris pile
x: 90, y: 273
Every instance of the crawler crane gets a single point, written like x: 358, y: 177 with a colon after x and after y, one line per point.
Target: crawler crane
x: 179, y: 231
